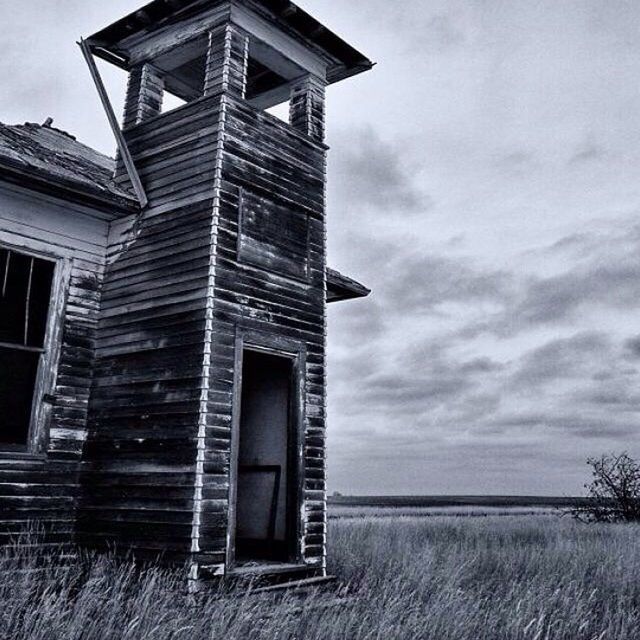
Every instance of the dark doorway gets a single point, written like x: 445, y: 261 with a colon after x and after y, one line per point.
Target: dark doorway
x: 25, y: 293
x: 267, y: 467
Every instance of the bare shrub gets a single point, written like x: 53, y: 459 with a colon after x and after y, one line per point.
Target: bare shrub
x: 614, y: 492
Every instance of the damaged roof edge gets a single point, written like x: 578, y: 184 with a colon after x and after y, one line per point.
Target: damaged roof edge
x: 341, y: 287
x: 21, y: 174
x: 46, y: 159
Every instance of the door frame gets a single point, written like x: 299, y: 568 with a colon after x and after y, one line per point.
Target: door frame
x: 295, y: 352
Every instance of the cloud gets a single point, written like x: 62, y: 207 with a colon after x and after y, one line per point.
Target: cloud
x: 483, y: 182
x: 422, y: 283
x: 438, y: 34
x: 603, y: 272
x: 370, y: 176
x: 518, y: 163
x: 560, y: 297
x: 555, y: 424
x: 633, y: 346
x: 587, y: 151
x: 561, y: 359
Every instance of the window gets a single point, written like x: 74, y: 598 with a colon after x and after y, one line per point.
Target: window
x: 25, y: 295
x: 273, y: 236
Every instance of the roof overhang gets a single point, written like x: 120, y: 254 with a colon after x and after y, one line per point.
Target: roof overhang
x: 23, y: 175
x: 345, y: 61
x: 341, y: 287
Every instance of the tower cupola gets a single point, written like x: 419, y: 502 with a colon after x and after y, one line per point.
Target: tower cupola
x: 266, y: 52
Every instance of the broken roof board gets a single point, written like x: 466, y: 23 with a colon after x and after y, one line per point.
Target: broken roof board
x: 47, y: 159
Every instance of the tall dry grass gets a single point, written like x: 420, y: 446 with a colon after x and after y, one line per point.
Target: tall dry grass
x: 536, y: 577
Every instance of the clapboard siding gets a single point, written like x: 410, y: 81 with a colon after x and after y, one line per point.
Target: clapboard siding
x: 181, y: 281
x: 139, y: 473
x: 285, y: 169
x: 47, y: 488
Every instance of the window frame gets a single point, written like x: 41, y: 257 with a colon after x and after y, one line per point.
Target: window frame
x: 245, y: 254
x: 43, y: 399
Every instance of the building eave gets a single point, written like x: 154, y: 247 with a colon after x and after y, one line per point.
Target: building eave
x: 340, y: 287
x: 348, y: 61
x: 18, y: 173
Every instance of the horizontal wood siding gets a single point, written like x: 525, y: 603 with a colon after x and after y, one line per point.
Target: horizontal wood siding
x: 46, y: 489
x: 286, y: 171
x: 140, y: 470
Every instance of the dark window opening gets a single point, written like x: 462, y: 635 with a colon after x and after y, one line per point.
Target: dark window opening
x: 183, y: 69
x: 270, y: 77
x: 25, y: 294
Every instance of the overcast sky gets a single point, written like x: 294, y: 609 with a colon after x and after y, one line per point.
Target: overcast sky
x: 484, y: 181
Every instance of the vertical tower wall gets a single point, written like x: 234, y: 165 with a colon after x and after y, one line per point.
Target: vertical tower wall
x: 230, y: 251
x: 145, y: 406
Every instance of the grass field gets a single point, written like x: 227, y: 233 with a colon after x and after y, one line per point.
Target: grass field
x: 439, y: 577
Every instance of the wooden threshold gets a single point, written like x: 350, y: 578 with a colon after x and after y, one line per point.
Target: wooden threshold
x: 296, y: 585
x: 265, y: 574
x: 266, y: 568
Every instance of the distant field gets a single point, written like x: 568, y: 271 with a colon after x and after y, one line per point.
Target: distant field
x: 339, y: 511
x: 454, y: 501
x: 432, y: 506
x: 436, y: 578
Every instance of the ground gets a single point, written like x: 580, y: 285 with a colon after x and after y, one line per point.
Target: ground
x: 463, y: 574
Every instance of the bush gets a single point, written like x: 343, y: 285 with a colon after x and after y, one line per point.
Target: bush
x: 614, y: 492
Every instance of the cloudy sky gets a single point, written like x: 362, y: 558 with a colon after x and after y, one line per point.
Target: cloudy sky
x: 484, y: 182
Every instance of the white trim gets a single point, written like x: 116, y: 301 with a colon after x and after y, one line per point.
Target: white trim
x: 209, y: 311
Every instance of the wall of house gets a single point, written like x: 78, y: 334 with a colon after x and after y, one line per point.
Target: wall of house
x: 146, y: 407
x: 45, y: 486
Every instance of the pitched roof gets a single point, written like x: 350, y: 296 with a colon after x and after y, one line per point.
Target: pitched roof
x: 51, y: 160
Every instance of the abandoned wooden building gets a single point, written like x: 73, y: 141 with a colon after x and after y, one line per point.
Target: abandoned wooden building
x: 163, y: 315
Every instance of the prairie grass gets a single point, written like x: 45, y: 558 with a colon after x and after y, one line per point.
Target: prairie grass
x: 523, y: 577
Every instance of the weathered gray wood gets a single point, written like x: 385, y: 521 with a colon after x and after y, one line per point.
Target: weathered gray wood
x: 145, y: 91
x: 44, y: 483
x: 307, y: 106
x: 229, y: 254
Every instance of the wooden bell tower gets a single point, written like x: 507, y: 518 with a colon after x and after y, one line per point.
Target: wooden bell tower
x: 207, y: 414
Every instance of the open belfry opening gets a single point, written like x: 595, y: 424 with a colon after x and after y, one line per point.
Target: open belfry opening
x: 169, y: 346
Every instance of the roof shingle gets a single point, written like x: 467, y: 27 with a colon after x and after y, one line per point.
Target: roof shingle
x: 51, y: 156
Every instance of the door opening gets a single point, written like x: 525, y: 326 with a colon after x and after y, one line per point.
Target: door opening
x: 267, y: 467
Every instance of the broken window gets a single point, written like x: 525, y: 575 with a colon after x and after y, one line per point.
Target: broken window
x: 25, y: 294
